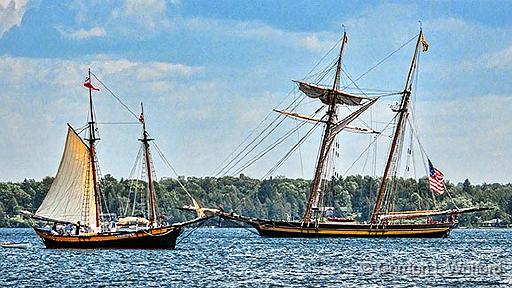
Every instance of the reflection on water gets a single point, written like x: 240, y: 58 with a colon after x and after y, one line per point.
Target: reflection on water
x: 236, y: 257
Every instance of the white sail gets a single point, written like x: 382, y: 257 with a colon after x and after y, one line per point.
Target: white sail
x: 71, y: 196
x: 325, y: 94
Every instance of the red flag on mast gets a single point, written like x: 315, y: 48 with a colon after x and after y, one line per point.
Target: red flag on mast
x: 87, y: 84
x: 141, y: 118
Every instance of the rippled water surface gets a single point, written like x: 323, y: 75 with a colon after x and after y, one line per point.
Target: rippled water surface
x: 237, y: 258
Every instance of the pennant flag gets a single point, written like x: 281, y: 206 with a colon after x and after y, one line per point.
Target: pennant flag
x: 87, y: 84
x: 424, y: 43
x: 141, y: 118
x: 435, y: 179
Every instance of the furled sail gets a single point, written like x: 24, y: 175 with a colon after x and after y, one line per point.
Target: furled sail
x: 325, y: 94
x: 428, y: 213
x: 71, y: 196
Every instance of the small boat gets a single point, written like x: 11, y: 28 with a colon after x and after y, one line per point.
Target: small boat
x: 14, y: 245
x: 73, y: 200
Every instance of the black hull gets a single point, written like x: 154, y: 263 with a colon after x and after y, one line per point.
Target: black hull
x: 294, y: 230
x: 120, y: 240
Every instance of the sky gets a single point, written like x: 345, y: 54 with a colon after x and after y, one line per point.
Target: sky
x: 209, y: 71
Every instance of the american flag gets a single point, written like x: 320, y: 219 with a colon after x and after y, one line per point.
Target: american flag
x: 435, y: 179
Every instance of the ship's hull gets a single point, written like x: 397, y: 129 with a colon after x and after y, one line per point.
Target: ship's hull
x: 155, y: 238
x: 294, y: 229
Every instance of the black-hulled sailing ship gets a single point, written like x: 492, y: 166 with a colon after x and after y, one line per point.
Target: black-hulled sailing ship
x: 384, y: 221
x: 73, y: 201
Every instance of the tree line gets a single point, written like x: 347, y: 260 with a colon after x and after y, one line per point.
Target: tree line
x: 275, y: 198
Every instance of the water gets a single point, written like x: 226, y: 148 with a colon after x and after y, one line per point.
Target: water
x: 238, y: 258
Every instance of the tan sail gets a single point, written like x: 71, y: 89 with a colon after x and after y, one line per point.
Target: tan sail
x: 325, y: 94
x: 71, y: 196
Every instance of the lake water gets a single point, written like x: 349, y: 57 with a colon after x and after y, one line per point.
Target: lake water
x: 234, y: 257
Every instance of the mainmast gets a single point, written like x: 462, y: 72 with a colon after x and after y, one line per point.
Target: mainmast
x: 326, y: 140
x: 92, y: 139
x: 395, y: 145
x: 145, y: 140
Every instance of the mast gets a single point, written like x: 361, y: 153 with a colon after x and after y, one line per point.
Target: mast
x: 92, y: 139
x: 145, y: 140
x: 326, y: 140
x: 402, y: 117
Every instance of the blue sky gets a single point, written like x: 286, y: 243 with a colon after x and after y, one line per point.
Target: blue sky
x: 209, y: 71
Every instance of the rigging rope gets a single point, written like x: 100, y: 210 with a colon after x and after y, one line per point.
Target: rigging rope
x: 290, y: 93
x: 172, y: 168
x: 269, y: 148
x: 115, y: 96
x: 118, y: 123
x: 322, y: 59
x: 287, y: 155
x: 368, y: 147
x: 384, y: 59
x: 82, y: 129
x: 229, y: 167
x: 192, y: 231
x: 132, y: 187
x: 250, y: 134
x: 300, y: 152
x: 241, y: 226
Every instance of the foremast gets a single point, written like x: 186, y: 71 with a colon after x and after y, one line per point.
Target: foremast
x: 327, y: 139
x: 395, y: 149
x: 92, y: 140
x: 145, y: 141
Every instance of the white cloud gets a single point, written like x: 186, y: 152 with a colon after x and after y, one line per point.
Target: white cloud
x: 42, y: 95
x: 311, y: 42
x: 59, y: 71
x: 11, y: 13
x: 134, y: 15
x: 83, y: 34
x: 314, y: 41
x: 500, y: 60
x: 469, y: 137
x: 158, y: 70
